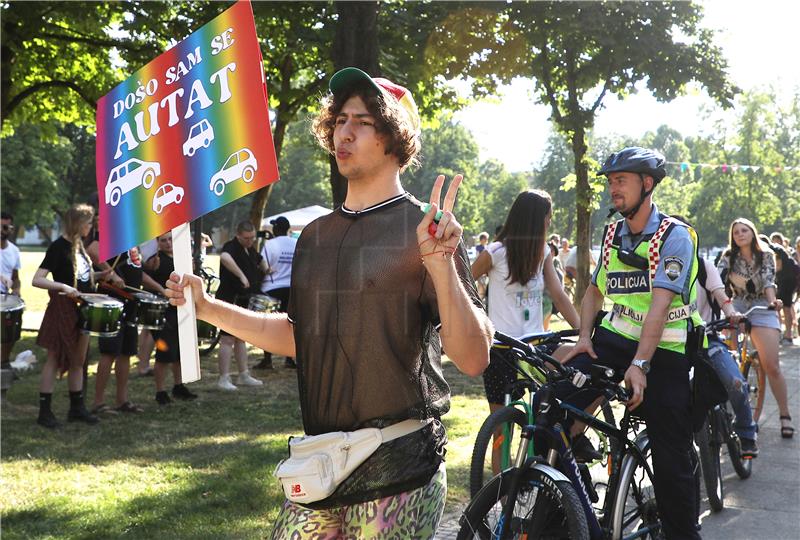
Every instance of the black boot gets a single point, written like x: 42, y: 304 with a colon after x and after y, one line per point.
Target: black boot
x: 77, y: 409
x: 46, y: 416
x: 180, y: 391
x: 266, y: 362
x: 289, y: 363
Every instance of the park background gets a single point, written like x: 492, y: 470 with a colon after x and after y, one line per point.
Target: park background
x: 499, y: 105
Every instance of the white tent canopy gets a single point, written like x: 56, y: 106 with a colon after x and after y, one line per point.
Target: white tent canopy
x: 298, y: 218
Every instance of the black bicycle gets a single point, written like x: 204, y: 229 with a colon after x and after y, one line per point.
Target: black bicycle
x: 495, y: 441
x: 207, y: 334
x: 718, y: 430
x: 549, y: 495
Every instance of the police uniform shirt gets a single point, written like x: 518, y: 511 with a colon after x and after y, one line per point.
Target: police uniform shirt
x: 676, y: 255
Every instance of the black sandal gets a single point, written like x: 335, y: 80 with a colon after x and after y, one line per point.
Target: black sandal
x: 129, y: 407
x: 787, y: 432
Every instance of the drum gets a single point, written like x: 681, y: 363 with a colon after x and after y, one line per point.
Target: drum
x: 262, y: 303
x: 12, y: 308
x: 150, y: 311
x: 100, y: 315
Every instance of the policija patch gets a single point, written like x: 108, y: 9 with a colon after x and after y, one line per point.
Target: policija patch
x: 627, y: 282
x: 673, y: 267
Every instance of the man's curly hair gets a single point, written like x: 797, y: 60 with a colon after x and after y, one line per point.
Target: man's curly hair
x: 391, y: 122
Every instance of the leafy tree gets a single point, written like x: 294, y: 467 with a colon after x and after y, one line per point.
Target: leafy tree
x: 304, y: 173
x: 33, y: 167
x: 579, y: 52
x: 765, y: 194
x: 57, y: 56
x: 391, y: 40
x: 449, y: 149
x: 499, y: 188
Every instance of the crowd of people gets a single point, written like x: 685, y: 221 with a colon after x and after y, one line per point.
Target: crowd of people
x: 76, y: 280
x: 371, y: 294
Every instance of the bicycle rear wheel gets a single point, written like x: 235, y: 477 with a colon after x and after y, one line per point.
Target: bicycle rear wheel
x: 709, y: 443
x: 480, y: 470
x: 546, y: 508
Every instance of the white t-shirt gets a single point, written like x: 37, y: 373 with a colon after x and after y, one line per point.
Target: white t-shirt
x: 572, y: 258
x: 9, y: 262
x: 713, y: 282
x: 279, y: 253
x: 514, y: 309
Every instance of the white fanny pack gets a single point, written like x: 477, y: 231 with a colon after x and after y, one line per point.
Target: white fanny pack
x: 317, y: 464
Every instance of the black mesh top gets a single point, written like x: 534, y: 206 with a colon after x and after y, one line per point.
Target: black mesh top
x: 365, y: 325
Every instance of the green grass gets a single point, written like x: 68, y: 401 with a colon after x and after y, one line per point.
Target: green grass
x: 200, y: 469
x: 194, y: 470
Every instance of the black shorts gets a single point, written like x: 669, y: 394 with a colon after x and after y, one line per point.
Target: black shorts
x: 786, y: 292
x: 499, y: 375
x: 125, y: 343
x: 167, y: 347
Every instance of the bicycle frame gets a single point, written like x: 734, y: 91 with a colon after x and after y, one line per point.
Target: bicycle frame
x: 570, y: 466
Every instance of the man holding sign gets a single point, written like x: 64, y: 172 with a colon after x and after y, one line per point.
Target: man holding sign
x: 376, y: 290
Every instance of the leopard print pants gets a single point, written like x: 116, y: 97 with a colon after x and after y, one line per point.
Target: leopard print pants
x: 413, y: 514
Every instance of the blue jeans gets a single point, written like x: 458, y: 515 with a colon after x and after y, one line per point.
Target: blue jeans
x: 734, y: 383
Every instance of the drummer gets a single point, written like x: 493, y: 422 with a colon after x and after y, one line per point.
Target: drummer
x: 71, y: 268
x: 9, y: 275
x: 240, y: 273
x: 159, y: 267
x: 118, y: 350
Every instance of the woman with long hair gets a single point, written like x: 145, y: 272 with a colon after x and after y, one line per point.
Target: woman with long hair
x: 71, y: 268
x: 520, y: 268
x: 748, y: 269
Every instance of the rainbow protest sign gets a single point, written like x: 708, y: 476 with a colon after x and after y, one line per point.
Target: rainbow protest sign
x: 184, y: 135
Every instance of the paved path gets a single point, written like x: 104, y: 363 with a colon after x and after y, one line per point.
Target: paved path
x: 767, y: 505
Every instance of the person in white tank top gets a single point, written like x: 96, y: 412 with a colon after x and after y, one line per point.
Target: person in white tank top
x: 520, y: 267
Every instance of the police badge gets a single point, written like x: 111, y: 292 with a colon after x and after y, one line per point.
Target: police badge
x: 673, y: 267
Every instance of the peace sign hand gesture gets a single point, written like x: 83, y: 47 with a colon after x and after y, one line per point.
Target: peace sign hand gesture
x: 439, y: 240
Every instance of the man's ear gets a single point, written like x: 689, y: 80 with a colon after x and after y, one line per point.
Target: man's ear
x: 649, y: 183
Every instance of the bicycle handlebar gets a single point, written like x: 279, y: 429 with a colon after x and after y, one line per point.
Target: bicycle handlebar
x: 719, y: 324
x: 599, y: 376
x: 529, y: 352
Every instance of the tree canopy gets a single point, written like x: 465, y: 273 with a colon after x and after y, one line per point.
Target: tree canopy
x: 577, y: 53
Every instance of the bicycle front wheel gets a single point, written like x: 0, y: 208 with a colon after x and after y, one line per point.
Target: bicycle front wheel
x: 756, y: 381
x: 545, y: 508
x: 508, y: 423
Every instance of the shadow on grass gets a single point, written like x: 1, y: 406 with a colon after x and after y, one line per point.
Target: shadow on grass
x: 229, y: 502
x: 199, y: 469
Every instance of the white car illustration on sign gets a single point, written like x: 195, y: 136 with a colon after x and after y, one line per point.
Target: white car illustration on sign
x: 200, y: 135
x: 128, y: 176
x: 166, y: 195
x: 241, y: 164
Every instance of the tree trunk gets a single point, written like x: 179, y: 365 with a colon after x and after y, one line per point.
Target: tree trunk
x: 583, y: 212
x: 355, y: 45
x: 262, y: 195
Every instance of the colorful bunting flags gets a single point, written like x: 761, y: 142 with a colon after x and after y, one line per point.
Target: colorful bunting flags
x: 730, y: 167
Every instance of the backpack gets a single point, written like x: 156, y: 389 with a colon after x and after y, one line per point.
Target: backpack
x: 790, y: 267
x: 702, y: 277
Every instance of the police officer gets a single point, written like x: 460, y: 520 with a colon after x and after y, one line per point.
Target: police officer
x: 648, y: 270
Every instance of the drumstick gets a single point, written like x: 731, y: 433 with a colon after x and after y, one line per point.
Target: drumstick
x: 116, y: 261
